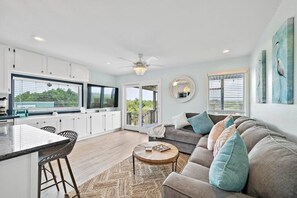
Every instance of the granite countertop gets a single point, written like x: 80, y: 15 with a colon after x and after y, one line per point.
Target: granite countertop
x: 8, y: 117
x: 20, y: 140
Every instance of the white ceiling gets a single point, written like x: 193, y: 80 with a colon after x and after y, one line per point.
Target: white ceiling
x: 177, y: 32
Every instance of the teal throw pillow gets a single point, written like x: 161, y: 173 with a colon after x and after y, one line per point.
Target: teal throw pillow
x: 201, y: 123
x: 228, y: 122
x: 229, y: 169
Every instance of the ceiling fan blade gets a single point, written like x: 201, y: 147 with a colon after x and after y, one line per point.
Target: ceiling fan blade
x: 155, y: 65
x: 122, y: 67
x: 150, y: 59
x: 125, y: 59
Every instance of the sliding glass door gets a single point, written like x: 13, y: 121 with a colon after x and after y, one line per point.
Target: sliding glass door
x: 142, y: 105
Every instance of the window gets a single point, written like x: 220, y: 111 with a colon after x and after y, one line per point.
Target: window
x: 44, y: 95
x: 226, y: 94
x: 94, y: 97
x: 102, y: 97
x: 110, y: 97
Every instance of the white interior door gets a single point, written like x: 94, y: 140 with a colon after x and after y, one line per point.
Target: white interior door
x: 142, y: 106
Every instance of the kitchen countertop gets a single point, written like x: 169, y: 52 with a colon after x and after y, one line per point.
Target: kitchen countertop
x: 8, y: 117
x: 20, y: 140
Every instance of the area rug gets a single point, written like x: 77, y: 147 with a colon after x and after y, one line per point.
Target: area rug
x: 119, y: 181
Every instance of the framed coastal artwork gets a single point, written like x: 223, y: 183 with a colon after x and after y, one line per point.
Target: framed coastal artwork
x: 283, y: 64
x: 261, y: 78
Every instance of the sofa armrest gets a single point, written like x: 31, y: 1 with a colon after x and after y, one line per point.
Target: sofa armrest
x: 180, y: 186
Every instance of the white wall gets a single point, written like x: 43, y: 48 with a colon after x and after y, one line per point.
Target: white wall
x: 99, y: 78
x: 197, y: 72
x: 102, y: 78
x: 282, y: 116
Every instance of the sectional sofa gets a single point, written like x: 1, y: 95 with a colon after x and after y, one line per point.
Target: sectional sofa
x: 272, y: 163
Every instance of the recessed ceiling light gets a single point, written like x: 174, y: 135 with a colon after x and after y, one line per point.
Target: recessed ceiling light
x: 37, y: 38
x: 226, y: 51
x: 108, y: 63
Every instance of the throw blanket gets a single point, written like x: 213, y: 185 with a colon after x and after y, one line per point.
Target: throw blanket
x: 157, y: 131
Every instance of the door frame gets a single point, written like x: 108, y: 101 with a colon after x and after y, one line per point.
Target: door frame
x: 139, y: 128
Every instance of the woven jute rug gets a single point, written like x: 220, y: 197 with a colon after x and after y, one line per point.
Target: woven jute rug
x: 119, y: 181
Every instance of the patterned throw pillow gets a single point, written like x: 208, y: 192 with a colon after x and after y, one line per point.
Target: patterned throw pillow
x: 180, y: 121
x: 229, y: 169
x: 201, y: 123
x: 214, y: 134
x: 216, y: 131
x: 225, y: 135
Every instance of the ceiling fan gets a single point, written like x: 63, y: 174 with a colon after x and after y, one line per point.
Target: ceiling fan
x: 141, y: 66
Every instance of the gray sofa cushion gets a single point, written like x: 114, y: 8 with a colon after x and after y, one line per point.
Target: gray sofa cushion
x: 254, y: 134
x: 181, y: 135
x: 203, y: 142
x: 201, y: 156
x: 273, y: 168
x: 196, y: 171
x: 240, y: 120
x: 248, y: 124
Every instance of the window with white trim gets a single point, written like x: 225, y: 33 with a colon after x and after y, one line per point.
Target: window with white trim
x: 226, y: 93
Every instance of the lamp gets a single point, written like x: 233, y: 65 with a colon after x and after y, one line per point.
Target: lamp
x: 139, y: 70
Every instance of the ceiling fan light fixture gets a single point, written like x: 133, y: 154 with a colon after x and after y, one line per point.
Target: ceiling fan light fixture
x: 140, y: 70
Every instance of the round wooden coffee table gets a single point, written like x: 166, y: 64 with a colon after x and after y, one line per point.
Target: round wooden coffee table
x: 155, y: 157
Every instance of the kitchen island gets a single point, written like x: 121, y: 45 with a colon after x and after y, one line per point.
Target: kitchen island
x: 19, y: 147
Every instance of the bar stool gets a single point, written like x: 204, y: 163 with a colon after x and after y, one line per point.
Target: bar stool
x: 57, y: 154
x: 50, y: 129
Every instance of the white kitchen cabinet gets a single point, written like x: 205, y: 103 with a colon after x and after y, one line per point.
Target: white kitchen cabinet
x: 67, y: 123
x: 58, y: 68
x: 113, y: 120
x: 116, y: 120
x: 28, y: 62
x: 80, y: 126
x: 84, y: 124
x: 4, y: 74
x: 50, y: 122
x: 79, y: 73
x: 108, y: 121
x: 97, y: 123
x: 39, y: 122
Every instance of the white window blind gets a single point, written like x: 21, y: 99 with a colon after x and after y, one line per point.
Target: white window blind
x: 226, y: 94
x: 42, y: 95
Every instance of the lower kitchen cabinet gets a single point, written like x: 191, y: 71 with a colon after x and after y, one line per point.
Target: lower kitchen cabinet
x: 81, y: 126
x: 105, y: 121
x: 98, y: 124
x: 84, y: 124
x: 39, y: 123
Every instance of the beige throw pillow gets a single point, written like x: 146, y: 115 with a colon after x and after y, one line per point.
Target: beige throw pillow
x: 214, y: 134
x: 225, y: 135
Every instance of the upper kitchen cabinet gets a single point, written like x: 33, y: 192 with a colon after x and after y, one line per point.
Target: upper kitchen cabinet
x: 58, y: 68
x: 4, y: 77
x: 79, y: 73
x: 28, y: 62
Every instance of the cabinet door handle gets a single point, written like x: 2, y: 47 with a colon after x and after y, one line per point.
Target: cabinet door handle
x: 37, y: 122
x: 13, y: 66
x: 42, y: 71
x: 51, y: 73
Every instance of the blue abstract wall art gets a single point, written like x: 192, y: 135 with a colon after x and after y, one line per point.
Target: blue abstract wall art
x: 283, y: 64
x: 261, y: 78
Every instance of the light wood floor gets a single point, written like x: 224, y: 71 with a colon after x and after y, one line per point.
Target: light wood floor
x: 95, y: 155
